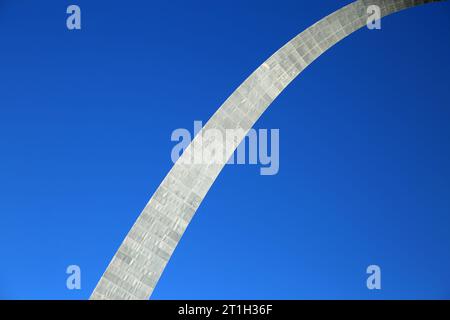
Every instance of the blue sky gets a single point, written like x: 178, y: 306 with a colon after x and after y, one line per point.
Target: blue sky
x: 85, y: 124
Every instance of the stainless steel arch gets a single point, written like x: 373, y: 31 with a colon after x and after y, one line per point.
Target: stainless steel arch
x: 138, y: 264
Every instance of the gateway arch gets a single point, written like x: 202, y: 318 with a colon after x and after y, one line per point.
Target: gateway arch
x: 141, y: 258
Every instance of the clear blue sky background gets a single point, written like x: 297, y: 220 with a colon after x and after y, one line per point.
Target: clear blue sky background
x: 85, y: 125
